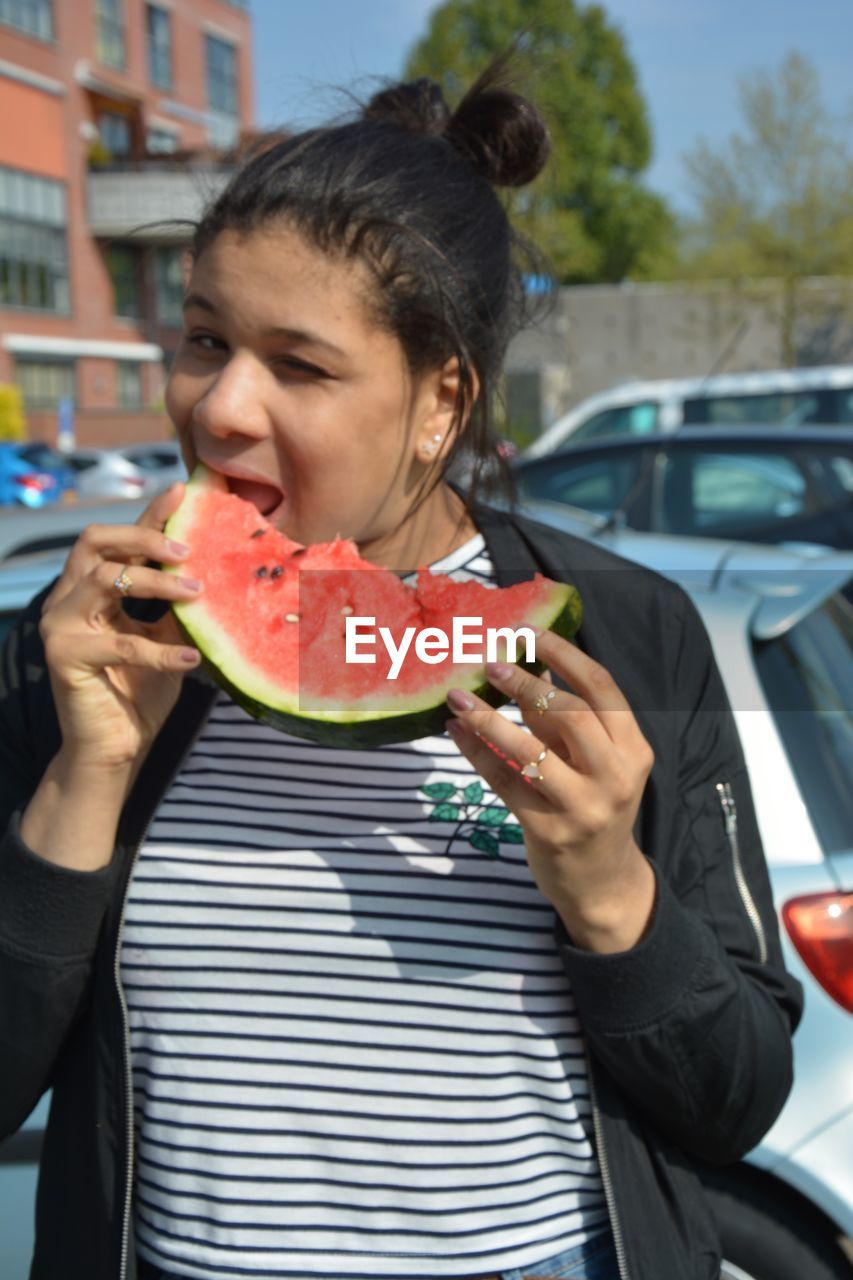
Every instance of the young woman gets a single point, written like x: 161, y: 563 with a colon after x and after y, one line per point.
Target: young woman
x: 302, y: 1019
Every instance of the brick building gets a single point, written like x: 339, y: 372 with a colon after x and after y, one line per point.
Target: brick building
x: 114, y: 115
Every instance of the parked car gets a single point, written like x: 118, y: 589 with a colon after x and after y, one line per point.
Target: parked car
x: 33, y: 475
x: 762, y: 484
x: 782, y: 628
x: 133, y: 471
x: 790, y: 397
x: 52, y: 527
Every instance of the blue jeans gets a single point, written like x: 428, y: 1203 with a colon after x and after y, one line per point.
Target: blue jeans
x: 595, y: 1260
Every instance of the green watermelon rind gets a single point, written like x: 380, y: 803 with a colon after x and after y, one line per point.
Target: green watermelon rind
x: 382, y: 727
x: 383, y: 721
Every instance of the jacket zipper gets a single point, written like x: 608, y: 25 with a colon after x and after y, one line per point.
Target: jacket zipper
x: 727, y: 802
x: 128, y: 1066
x: 606, y: 1180
x: 125, y: 1016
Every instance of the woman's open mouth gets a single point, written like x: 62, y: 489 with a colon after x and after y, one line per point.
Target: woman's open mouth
x: 268, y: 498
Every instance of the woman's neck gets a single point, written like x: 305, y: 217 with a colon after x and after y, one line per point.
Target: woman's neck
x: 439, y: 525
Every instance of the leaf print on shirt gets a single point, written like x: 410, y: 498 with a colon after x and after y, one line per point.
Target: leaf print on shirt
x: 485, y: 826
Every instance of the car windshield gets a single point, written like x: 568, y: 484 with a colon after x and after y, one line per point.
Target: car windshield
x: 155, y: 460
x: 807, y: 676
x: 41, y: 457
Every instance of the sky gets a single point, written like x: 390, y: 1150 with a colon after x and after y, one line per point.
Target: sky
x: 689, y: 56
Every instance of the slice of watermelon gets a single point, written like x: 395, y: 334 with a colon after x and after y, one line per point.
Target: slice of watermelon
x: 271, y: 624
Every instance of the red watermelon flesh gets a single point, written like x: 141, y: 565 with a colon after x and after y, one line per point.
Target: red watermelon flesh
x: 270, y: 623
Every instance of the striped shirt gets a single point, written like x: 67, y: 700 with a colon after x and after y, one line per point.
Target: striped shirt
x: 355, y: 1051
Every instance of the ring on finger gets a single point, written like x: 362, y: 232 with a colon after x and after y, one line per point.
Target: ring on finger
x: 541, y: 703
x: 532, y: 771
x: 123, y: 582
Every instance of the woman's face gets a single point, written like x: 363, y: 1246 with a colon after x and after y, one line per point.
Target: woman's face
x: 285, y: 383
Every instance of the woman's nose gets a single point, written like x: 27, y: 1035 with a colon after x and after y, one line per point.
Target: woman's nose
x: 233, y: 403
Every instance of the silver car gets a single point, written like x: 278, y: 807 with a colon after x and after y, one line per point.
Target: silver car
x: 132, y: 471
x: 782, y: 627
x: 57, y: 526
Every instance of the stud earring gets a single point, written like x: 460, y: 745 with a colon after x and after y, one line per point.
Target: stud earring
x: 430, y: 445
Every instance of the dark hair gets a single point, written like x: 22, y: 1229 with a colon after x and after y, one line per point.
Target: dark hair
x: 408, y: 188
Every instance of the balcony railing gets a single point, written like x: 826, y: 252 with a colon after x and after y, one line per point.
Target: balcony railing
x: 151, y: 200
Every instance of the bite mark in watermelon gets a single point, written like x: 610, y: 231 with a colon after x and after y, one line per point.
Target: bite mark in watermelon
x: 270, y: 624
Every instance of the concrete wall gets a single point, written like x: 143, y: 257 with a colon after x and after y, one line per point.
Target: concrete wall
x: 600, y: 335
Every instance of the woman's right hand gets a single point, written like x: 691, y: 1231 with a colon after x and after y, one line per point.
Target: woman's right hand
x: 114, y: 680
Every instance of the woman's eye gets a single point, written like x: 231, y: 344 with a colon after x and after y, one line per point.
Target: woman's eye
x: 205, y: 342
x: 292, y: 367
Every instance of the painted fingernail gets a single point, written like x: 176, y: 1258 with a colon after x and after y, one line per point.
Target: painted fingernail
x: 454, y: 728
x: 192, y: 583
x: 497, y: 670
x: 190, y: 656
x: 177, y: 548
x: 459, y: 701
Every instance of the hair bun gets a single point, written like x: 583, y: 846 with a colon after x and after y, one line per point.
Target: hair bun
x: 418, y: 106
x: 502, y: 134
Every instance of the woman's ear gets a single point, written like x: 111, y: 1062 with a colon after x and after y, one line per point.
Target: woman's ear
x: 440, y: 420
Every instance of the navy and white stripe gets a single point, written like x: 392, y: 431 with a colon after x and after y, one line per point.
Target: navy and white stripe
x: 355, y: 1052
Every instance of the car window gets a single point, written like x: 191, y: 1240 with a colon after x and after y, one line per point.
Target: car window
x: 41, y: 457
x: 598, y: 484
x: 845, y: 407
x: 623, y: 420
x: 807, y: 675
x: 44, y: 542
x: 152, y: 460
x: 842, y: 468
x: 7, y: 622
x: 83, y: 463
x: 774, y: 408
x: 703, y: 490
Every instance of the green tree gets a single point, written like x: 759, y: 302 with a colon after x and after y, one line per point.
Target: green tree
x: 588, y: 211
x: 776, y: 198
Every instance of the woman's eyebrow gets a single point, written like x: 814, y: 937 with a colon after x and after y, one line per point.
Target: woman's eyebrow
x: 276, y: 331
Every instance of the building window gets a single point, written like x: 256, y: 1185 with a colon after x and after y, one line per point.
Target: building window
x: 129, y: 384
x: 161, y: 142
x: 222, y: 91
x: 34, y: 17
x: 109, y: 33
x: 123, y: 266
x: 33, y: 248
x: 44, y: 383
x: 114, y: 130
x: 170, y: 288
x: 159, y: 47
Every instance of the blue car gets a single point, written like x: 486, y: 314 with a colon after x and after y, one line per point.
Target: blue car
x: 33, y: 474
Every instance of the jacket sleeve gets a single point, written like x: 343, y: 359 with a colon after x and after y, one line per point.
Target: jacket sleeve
x: 694, y: 1024
x: 50, y: 916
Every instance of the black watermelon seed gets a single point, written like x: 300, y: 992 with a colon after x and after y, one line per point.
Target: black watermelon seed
x: 259, y: 533
x: 262, y: 572
x: 277, y: 571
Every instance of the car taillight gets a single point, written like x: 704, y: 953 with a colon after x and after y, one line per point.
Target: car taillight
x: 36, y: 480
x: 820, y: 926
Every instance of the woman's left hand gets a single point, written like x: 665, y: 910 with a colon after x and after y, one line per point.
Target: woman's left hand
x: 578, y: 815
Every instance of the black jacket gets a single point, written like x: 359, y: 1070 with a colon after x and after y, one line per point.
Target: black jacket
x: 688, y: 1033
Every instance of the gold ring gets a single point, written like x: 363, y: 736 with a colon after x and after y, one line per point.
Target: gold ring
x: 123, y: 582
x: 532, y: 771
x: 541, y: 703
